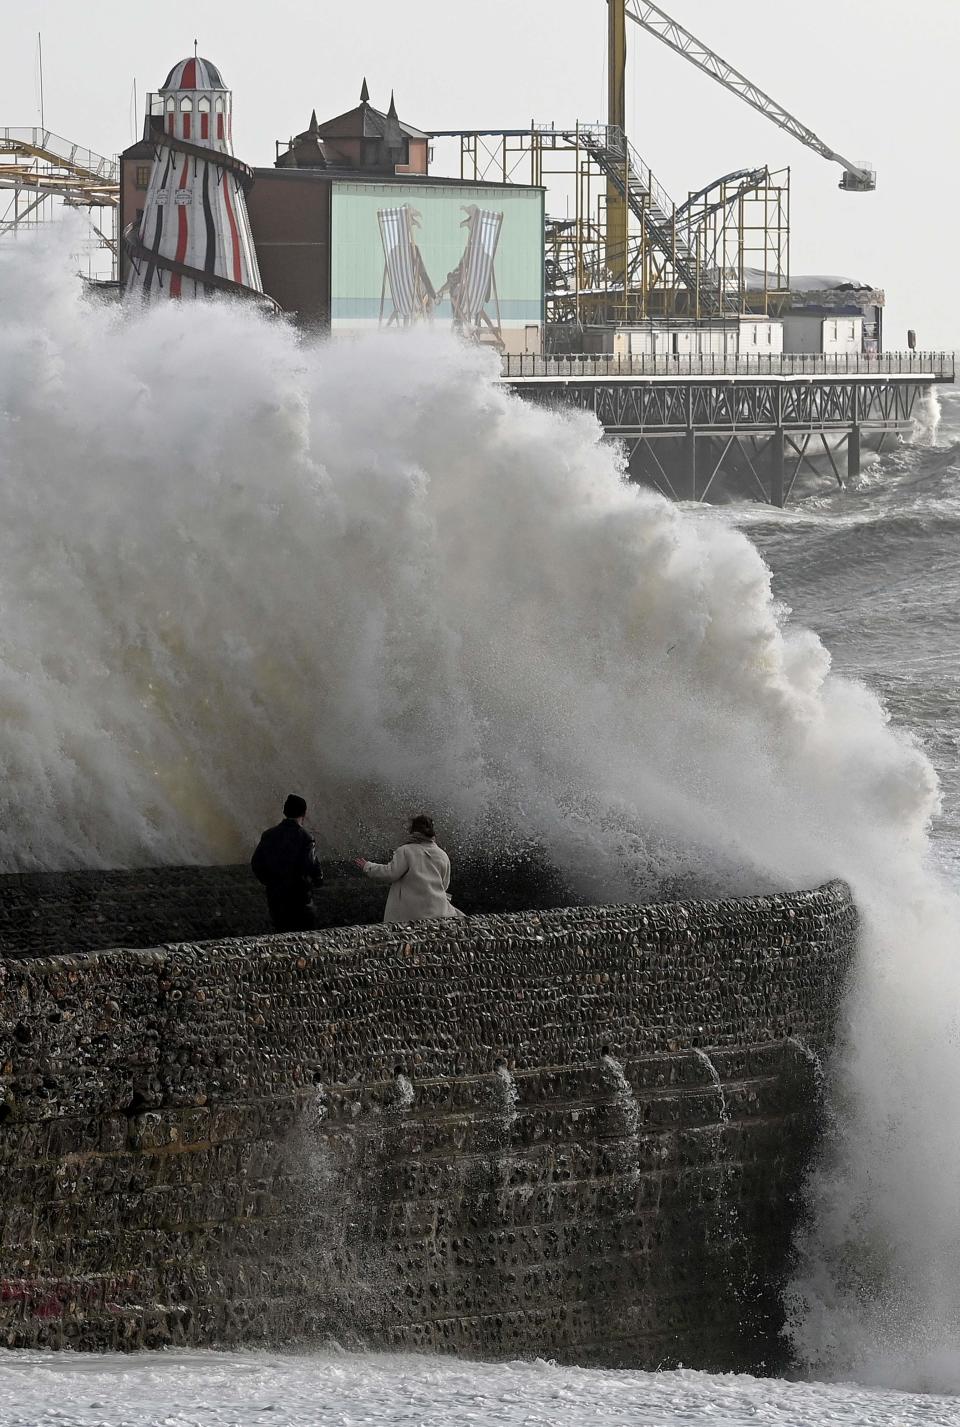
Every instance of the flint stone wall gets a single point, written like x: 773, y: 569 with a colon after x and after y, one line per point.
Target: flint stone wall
x: 500, y: 1136
x: 90, y: 911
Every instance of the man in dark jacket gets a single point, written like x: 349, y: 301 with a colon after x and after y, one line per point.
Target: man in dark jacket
x: 286, y: 863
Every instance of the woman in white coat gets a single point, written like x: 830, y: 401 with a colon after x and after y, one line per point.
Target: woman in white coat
x: 419, y: 875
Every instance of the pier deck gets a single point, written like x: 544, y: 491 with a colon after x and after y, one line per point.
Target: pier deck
x: 690, y: 422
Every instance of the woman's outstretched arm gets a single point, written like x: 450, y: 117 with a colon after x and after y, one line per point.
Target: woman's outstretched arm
x: 390, y: 871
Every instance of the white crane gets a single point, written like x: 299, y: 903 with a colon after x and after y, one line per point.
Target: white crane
x: 856, y: 177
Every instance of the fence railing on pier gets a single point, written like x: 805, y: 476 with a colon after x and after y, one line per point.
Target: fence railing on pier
x: 937, y: 366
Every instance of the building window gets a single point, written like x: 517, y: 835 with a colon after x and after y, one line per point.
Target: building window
x: 186, y: 105
x: 171, y: 104
x: 143, y: 176
x: 203, y: 107
x: 218, y: 105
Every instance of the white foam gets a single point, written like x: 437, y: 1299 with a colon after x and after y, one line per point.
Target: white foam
x: 234, y: 564
x: 927, y: 418
x: 393, y: 1390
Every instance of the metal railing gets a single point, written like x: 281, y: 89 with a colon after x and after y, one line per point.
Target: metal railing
x: 612, y: 139
x: 43, y: 143
x: 938, y: 366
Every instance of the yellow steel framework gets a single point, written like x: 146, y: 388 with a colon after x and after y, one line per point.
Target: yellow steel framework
x: 623, y: 253
x: 40, y: 170
x: 740, y: 228
x: 723, y: 252
x: 617, y: 210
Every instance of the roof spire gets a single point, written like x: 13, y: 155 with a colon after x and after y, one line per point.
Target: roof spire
x: 194, y: 48
x: 364, y: 92
x: 314, y: 126
x: 392, y: 111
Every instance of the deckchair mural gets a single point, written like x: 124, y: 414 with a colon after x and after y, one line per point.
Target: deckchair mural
x: 411, y: 291
x: 472, y: 286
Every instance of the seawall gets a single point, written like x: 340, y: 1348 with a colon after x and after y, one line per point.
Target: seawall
x: 576, y: 1133
x: 93, y: 910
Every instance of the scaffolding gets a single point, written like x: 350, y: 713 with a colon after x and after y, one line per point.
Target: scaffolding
x: 43, y: 173
x: 724, y: 252
x: 739, y: 226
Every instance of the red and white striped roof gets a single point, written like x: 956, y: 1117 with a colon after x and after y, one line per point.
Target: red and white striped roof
x: 193, y: 73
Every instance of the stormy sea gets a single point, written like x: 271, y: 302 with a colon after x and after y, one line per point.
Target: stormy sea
x: 876, y: 572
x: 235, y: 555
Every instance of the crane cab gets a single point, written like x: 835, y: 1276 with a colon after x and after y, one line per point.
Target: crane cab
x: 862, y: 179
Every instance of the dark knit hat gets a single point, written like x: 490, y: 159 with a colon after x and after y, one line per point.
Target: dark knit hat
x: 294, y: 807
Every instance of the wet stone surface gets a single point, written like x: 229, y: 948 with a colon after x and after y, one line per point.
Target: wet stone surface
x: 491, y: 1137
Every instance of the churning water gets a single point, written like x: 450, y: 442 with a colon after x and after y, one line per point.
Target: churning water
x: 234, y: 563
x: 389, y: 1390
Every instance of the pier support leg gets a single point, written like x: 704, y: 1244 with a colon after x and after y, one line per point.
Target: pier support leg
x: 690, y: 465
x: 853, y: 453
x: 777, y: 463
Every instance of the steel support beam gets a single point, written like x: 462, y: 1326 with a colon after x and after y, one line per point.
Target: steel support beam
x: 853, y: 453
x: 690, y: 465
x: 688, y: 415
x: 617, y: 64
x: 617, y: 224
x: 777, y: 468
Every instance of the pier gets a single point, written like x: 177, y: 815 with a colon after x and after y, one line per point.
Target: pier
x: 687, y: 421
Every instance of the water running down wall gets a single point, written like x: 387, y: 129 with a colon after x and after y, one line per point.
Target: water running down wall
x: 499, y: 1136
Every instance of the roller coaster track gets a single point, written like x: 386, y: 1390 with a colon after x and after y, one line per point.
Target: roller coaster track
x: 614, y: 156
x: 44, y: 165
x: 746, y: 180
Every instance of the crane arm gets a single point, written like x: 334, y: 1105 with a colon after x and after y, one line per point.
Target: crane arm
x: 657, y: 22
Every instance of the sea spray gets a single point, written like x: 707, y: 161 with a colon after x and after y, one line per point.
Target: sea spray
x: 927, y: 418
x: 235, y: 562
x: 239, y: 563
x: 877, y: 1292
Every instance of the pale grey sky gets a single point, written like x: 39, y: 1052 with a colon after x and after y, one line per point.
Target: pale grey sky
x: 877, y: 79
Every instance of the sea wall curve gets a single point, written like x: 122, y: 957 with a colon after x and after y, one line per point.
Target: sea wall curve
x: 574, y: 1133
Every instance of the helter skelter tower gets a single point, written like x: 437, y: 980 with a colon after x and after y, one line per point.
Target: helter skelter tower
x: 194, y: 237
